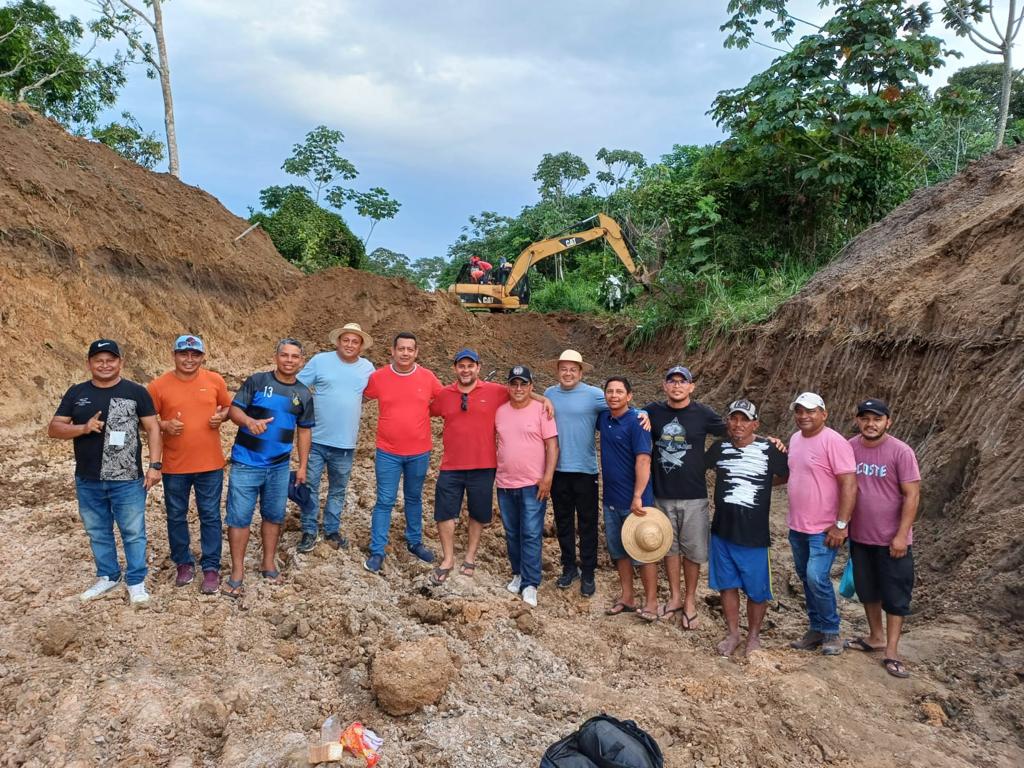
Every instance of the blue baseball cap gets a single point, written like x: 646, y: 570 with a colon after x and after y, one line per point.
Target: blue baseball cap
x: 463, y: 354
x: 189, y: 343
x: 680, y: 370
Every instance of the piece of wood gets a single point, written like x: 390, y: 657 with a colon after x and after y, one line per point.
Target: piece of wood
x: 250, y: 229
x: 326, y: 753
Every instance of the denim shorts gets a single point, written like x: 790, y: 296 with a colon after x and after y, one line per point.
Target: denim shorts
x: 476, y: 484
x: 614, y: 517
x: 246, y: 484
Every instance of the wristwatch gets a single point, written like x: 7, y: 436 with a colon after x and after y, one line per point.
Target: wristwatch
x: 841, y: 525
x: 157, y: 465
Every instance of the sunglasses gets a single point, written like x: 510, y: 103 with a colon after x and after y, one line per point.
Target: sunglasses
x: 464, y: 405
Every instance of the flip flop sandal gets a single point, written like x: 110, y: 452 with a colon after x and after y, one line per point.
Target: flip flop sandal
x: 895, y: 668
x: 860, y: 644
x: 668, y: 614
x: 648, y: 616
x: 439, y: 576
x: 619, y: 607
x: 467, y: 569
x: 272, y: 577
x: 233, y: 589
x: 686, y: 622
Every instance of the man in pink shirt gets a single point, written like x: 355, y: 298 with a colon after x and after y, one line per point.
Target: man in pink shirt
x: 527, y: 455
x: 822, y: 493
x: 881, y: 532
x: 404, y: 391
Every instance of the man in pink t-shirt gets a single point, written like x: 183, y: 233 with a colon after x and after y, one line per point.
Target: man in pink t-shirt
x: 527, y: 455
x: 404, y: 391
x: 881, y: 532
x: 822, y: 492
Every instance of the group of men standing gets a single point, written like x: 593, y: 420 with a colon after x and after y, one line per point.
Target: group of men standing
x: 534, y: 447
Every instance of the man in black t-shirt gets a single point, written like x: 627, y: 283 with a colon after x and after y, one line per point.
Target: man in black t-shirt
x: 102, y: 416
x: 746, y: 467
x: 679, y: 429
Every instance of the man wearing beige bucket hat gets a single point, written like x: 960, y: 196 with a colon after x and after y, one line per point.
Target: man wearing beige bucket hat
x: 626, y: 477
x: 337, y: 378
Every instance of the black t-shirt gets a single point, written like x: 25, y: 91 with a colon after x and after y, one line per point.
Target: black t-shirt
x: 116, y: 452
x: 679, y: 434
x: 743, y: 489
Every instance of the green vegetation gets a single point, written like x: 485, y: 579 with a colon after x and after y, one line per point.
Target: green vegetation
x: 832, y: 136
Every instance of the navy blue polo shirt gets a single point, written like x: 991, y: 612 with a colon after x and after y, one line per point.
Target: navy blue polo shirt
x: 622, y: 439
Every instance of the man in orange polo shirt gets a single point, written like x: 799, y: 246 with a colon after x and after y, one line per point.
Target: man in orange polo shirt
x: 191, y: 404
x: 404, y: 391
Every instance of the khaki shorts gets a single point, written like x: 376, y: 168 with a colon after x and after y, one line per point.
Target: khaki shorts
x: 691, y: 527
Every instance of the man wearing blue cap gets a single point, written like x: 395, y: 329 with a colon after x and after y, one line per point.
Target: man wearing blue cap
x: 679, y: 427
x: 192, y: 403
x: 469, y: 461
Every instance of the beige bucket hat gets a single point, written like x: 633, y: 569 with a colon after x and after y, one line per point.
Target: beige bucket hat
x: 571, y: 356
x: 351, y: 328
x: 647, y: 538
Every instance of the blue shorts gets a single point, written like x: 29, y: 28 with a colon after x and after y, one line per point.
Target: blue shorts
x: 246, y: 484
x: 614, y: 517
x: 477, y: 485
x: 737, y: 567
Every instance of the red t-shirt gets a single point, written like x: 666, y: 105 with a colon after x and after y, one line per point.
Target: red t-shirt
x: 469, y: 434
x: 403, y: 424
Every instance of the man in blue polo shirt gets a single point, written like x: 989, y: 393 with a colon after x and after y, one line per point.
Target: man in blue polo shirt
x: 626, y: 473
x: 338, y: 379
x: 272, y: 409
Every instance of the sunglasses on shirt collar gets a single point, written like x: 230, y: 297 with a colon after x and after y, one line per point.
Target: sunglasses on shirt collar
x: 464, y: 405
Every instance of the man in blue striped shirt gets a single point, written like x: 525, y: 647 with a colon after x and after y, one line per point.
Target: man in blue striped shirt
x: 272, y: 410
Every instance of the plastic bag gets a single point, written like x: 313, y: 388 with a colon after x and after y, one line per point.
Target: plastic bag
x: 846, y: 586
x: 362, y: 742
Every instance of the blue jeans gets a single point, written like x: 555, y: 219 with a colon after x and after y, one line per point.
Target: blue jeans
x: 813, y: 563
x: 101, y: 504
x: 412, y: 470
x: 245, y: 484
x: 208, y: 487
x: 339, y: 466
x: 523, y: 517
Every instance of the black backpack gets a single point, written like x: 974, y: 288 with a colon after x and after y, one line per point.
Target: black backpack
x: 605, y: 742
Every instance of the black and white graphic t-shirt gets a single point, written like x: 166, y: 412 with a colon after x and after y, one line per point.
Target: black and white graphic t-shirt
x: 116, y: 452
x: 743, y: 489
x: 679, y: 434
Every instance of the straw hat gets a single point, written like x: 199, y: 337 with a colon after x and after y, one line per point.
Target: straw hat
x: 571, y: 356
x: 647, y: 538
x: 351, y: 328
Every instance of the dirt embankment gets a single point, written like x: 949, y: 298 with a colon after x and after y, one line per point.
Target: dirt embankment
x: 91, y: 245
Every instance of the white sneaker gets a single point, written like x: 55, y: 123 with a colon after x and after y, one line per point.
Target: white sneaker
x: 513, y: 586
x: 137, y: 594
x: 530, y: 596
x: 103, y: 585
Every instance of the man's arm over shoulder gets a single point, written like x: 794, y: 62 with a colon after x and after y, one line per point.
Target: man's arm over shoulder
x: 714, y: 424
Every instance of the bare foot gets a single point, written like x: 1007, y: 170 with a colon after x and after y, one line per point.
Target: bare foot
x: 728, y: 645
x: 753, y: 644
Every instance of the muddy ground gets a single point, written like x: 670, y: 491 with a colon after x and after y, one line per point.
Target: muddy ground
x: 92, y: 246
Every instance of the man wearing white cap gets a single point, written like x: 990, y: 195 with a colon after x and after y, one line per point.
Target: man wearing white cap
x: 822, y: 494
x: 746, y: 467
x: 338, y: 379
x: 191, y: 404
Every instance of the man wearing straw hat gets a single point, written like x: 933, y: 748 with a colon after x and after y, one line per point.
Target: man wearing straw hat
x: 574, y: 488
x: 338, y: 379
x: 626, y: 473
x: 746, y: 467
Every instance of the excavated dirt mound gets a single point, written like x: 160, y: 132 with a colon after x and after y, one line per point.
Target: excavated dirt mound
x: 92, y: 245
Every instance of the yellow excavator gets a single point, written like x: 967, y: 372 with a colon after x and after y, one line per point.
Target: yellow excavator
x: 507, y: 288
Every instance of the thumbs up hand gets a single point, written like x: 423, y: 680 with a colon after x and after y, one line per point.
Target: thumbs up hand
x: 219, y: 417
x: 173, y: 426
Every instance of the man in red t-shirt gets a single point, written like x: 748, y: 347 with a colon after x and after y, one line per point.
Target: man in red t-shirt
x: 881, y: 531
x: 404, y: 391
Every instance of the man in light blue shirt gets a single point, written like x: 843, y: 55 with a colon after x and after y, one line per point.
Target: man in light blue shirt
x: 337, y: 379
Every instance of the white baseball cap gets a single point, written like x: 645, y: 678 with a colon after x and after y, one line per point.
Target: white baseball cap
x: 808, y: 400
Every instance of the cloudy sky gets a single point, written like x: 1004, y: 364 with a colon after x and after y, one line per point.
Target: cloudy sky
x: 448, y: 104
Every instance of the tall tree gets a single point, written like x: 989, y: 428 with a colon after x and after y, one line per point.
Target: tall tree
x: 42, y: 64
x: 124, y: 17
x: 965, y: 17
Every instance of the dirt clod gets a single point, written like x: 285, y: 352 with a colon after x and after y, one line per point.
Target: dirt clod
x: 411, y: 676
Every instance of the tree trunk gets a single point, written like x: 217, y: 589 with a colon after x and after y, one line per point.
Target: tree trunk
x: 165, y: 86
x: 1004, y: 96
